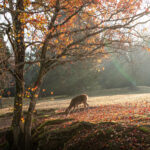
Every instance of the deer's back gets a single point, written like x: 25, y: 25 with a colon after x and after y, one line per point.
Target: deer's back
x: 79, y: 99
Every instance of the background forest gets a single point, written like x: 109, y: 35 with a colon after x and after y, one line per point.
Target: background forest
x: 130, y: 69
x: 119, y: 71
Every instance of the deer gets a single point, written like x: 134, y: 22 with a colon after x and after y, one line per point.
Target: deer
x: 77, y: 101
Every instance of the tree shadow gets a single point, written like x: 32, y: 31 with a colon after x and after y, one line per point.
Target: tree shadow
x: 77, y: 110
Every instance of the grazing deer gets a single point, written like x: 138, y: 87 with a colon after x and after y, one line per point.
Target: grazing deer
x: 76, y: 101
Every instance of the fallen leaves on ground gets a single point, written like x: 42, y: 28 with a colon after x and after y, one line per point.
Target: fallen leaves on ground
x: 127, y: 113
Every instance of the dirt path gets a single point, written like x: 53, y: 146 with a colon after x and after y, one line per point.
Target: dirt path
x: 92, y: 101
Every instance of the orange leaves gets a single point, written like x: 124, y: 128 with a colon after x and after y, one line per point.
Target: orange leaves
x: 36, y: 95
x: 23, y: 17
x: 27, y: 94
x: 44, y: 90
x: 121, y: 8
x: 56, y: 41
x: 71, y: 4
x: 96, y: 9
x: 22, y: 120
x: 32, y: 92
x: 26, y: 3
x: 76, y: 26
x: 39, y: 21
x: 147, y: 48
x: 18, y: 40
x: 128, y: 113
x: 20, y: 94
x: 64, y: 57
x: 8, y: 93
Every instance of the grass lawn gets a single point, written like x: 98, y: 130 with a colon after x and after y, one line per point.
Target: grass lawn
x: 114, y: 121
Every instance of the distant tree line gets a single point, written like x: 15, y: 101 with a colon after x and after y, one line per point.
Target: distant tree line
x: 120, y: 71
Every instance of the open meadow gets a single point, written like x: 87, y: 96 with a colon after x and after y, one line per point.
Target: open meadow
x: 117, y: 117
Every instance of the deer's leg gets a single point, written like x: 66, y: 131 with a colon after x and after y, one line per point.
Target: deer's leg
x: 68, y: 110
x: 87, y: 104
x: 73, y: 108
x: 78, y: 108
x: 84, y: 106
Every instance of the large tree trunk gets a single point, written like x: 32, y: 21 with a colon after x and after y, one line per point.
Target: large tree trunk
x: 19, y: 52
x: 17, y: 115
x: 18, y: 102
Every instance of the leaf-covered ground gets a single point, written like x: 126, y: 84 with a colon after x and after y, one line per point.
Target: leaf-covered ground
x: 85, y: 135
x: 137, y: 113
x: 116, y: 127
x: 119, y: 122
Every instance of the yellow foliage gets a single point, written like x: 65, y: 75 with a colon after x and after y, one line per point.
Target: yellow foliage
x: 64, y: 57
x: 22, y: 120
x: 44, y: 90
x: 99, y: 60
x: 147, y: 48
x: 36, y: 95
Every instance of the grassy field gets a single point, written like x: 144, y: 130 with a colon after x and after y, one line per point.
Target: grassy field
x: 121, y: 116
x: 103, y: 98
x: 108, y: 96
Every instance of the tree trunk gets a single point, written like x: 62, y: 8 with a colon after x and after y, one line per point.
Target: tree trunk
x: 19, y: 52
x: 17, y: 115
x: 28, y: 124
x: 28, y: 121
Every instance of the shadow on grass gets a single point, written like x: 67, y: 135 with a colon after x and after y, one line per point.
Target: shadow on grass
x: 101, y: 136
x: 67, y: 134
x: 77, y: 110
